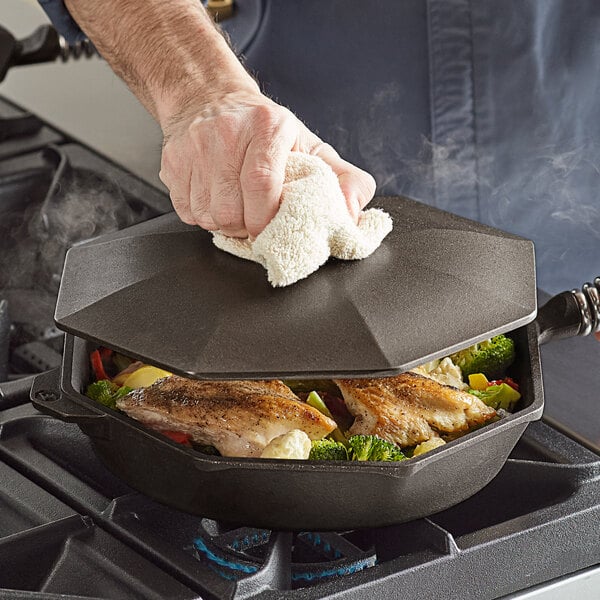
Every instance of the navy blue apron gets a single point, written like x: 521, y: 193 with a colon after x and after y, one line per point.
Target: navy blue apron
x: 488, y: 109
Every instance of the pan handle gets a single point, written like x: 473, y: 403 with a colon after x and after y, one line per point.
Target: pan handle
x: 47, y: 398
x: 570, y: 313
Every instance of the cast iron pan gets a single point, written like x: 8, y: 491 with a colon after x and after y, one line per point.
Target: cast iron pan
x: 284, y: 494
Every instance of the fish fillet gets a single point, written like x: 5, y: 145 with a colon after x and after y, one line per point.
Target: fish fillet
x: 409, y: 409
x: 239, y: 418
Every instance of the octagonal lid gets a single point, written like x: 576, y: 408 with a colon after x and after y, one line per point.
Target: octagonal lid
x: 160, y: 291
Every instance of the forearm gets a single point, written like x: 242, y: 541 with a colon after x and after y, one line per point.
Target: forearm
x: 167, y: 51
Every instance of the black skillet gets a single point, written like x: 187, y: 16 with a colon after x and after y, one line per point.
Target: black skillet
x: 282, y: 494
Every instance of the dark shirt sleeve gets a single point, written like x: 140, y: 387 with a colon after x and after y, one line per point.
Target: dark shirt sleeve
x: 62, y: 20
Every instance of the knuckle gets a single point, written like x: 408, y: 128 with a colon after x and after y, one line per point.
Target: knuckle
x: 261, y: 179
x: 228, y: 217
x: 202, y: 218
x: 205, y: 222
x: 183, y: 212
x: 178, y: 201
x: 267, y: 116
x: 186, y: 217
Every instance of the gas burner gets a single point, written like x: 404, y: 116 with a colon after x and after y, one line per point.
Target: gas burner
x: 314, y: 557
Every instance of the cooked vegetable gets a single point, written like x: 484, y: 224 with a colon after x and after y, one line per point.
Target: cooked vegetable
x: 315, y: 401
x: 179, y: 437
x: 443, y: 371
x: 428, y: 445
x: 361, y: 448
x: 478, y: 381
x: 328, y: 450
x: 508, y: 380
x: 123, y: 374
x: 491, y: 357
x: 145, y: 376
x: 294, y: 444
x: 372, y: 447
x: 106, y: 392
x: 97, y: 365
x: 498, y: 396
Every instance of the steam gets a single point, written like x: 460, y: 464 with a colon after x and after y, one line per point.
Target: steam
x: 79, y: 215
x: 549, y: 196
x: 549, y: 183
x: 35, y: 239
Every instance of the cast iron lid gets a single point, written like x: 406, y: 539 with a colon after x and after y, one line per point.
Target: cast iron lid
x: 160, y: 291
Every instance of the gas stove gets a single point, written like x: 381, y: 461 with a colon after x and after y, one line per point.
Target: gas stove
x: 69, y: 527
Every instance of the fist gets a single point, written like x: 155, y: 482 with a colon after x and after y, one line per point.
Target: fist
x: 224, y: 164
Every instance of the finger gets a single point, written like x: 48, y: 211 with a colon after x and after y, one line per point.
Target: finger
x: 199, y: 201
x: 226, y: 204
x: 597, y: 335
x: 179, y: 192
x: 263, y: 173
x: 357, y: 185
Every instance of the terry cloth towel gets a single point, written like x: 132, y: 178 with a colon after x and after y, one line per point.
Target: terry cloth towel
x: 311, y: 225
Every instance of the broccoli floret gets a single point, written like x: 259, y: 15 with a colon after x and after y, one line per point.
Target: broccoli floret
x: 106, y: 392
x: 371, y: 447
x: 490, y: 357
x: 361, y: 447
x: 327, y: 450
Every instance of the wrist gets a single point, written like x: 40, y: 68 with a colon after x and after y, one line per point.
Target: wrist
x: 204, y: 95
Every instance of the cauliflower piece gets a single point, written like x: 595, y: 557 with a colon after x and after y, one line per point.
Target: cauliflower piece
x: 294, y: 444
x: 443, y: 371
x: 430, y: 444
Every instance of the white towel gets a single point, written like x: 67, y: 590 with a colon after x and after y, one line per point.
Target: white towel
x: 312, y: 224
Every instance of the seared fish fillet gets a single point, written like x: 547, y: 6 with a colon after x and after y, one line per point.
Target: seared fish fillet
x: 409, y: 409
x: 239, y: 418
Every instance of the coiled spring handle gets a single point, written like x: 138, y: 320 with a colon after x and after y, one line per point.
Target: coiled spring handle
x: 588, y: 300
x: 43, y: 45
x: 77, y: 50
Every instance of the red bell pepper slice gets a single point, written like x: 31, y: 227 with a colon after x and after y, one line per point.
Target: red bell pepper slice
x: 106, y: 353
x: 97, y: 366
x: 507, y: 380
x: 179, y: 437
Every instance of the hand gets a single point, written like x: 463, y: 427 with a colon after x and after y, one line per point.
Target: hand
x: 224, y: 163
